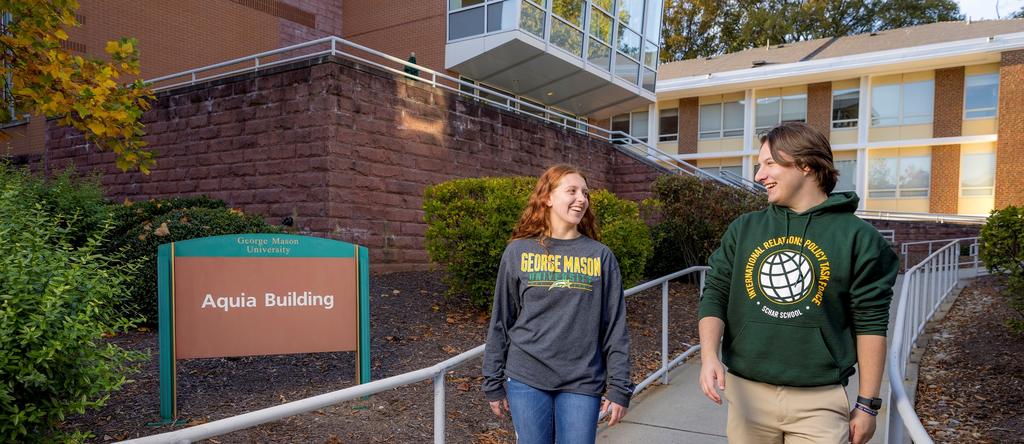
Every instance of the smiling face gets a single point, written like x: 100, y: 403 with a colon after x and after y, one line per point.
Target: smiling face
x: 788, y: 186
x: 567, y: 203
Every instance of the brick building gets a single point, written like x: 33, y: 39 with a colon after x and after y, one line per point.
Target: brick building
x: 925, y: 119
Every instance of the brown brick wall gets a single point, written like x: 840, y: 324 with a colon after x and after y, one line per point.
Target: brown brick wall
x: 944, y: 195
x: 922, y: 231
x: 398, y: 27
x: 819, y: 106
x: 689, y: 121
x: 949, y: 102
x: 1010, y: 146
x: 344, y: 149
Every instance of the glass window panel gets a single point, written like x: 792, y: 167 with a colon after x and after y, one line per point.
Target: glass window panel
x: 845, y: 107
x: 652, y: 28
x: 981, y: 95
x: 978, y: 170
x: 499, y: 16
x: 732, y: 117
x: 601, y: 25
x: 650, y: 55
x: 465, y: 23
x: 649, y: 80
x: 570, y: 10
x: 467, y: 89
x: 710, y: 121
x: 735, y: 171
x: 885, y: 105
x: 606, y: 4
x: 917, y: 102
x: 915, y: 172
x: 969, y: 192
x: 629, y: 42
x: 794, y: 108
x: 535, y: 111
x: 531, y: 19
x: 567, y: 37
x: 638, y: 126
x: 668, y: 125
x: 766, y: 113
x: 631, y: 13
x: 882, y: 173
x: 847, y: 175
x: 459, y: 4
x: 500, y: 99
x: 626, y: 69
x: 620, y: 123
x: 599, y: 54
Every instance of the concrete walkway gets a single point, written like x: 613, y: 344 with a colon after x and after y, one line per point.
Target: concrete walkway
x: 680, y: 413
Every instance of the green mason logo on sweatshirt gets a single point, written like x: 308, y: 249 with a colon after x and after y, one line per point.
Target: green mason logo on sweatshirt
x: 786, y: 271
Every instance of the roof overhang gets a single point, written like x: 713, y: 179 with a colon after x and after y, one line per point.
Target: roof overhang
x: 935, y: 56
x: 518, y: 62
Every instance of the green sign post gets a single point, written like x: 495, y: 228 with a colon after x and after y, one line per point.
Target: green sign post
x: 260, y: 294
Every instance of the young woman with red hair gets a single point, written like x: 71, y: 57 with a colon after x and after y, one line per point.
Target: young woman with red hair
x: 558, y: 340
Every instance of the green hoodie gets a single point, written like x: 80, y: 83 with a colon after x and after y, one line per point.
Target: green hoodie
x: 794, y: 290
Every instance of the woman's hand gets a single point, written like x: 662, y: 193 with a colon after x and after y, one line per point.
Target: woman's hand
x: 496, y: 407
x: 616, y: 414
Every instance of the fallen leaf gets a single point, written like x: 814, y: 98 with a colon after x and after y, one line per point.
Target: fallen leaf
x: 162, y: 230
x: 449, y: 349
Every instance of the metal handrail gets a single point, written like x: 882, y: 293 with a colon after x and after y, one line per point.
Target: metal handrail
x: 744, y: 181
x: 924, y: 289
x: 973, y: 250
x: 621, y: 140
x: 921, y: 217
x: 435, y: 372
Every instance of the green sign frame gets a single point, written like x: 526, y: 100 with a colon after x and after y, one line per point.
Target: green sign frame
x: 240, y: 246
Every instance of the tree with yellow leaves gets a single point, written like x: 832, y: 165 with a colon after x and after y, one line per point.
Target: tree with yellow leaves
x: 41, y: 77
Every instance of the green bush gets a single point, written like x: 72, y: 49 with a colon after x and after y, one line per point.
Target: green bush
x: 56, y: 302
x: 1002, y: 250
x: 131, y: 215
x: 78, y: 199
x: 693, y: 217
x: 141, y: 241
x: 469, y: 222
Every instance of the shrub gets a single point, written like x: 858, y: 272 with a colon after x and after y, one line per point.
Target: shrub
x: 56, y: 302
x: 693, y: 216
x: 78, y: 199
x: 141, y: 241
x: 1002, y: 250
x: 469, y: 222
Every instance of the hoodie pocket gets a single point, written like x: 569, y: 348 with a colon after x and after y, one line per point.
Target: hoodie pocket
x: 783, y: 355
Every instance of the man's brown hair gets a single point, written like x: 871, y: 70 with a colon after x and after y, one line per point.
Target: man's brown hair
x: 808, y: 148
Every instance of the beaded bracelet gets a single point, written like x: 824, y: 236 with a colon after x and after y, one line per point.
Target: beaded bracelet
x: 866, y: 409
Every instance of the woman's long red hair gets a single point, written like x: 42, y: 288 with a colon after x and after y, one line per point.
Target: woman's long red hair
x: 534, y: 220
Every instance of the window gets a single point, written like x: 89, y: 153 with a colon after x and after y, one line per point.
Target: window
x: 902, y: 103
x: 845, y: 108
x: 467, y: 18
x: 899, y: 177
x: 720, y: 120
x: 668, y: 125
x: 981, y: 96
x: 531, y: 19
x: 634, y: 124
x: 631, y: 13
x: 771, y: 111
x: 847, y: 175
x: 567, y: 25
x: 977, y: 174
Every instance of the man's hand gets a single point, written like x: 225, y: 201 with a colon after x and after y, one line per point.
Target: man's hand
x: 712, y: 377
x: 496, y: 407
x: 862, y: 426
x: 616, y: 414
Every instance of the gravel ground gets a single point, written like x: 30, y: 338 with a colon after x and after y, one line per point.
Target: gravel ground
x: 971, y: 382
x: 412, y: 326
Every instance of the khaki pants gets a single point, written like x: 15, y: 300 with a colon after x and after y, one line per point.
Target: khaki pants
x: 762, y: 413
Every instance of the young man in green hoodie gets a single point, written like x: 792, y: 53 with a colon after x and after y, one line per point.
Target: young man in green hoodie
x: 797, y: 294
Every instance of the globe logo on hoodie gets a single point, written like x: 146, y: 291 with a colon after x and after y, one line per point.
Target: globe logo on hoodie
x: 785, y: 277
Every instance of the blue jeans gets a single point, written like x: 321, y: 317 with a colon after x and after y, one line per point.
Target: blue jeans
x: 540, y: 416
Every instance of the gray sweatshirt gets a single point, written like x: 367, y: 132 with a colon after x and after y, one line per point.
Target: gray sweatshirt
x: 559, y: 321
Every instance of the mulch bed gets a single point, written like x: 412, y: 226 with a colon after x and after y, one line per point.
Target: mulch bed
x: 971, y: 381
x: 412, y: 327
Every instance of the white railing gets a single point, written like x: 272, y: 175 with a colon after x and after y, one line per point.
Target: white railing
x: 331, y: 46
x: 921, y: 217
x: 972, y: 258
x: 925, y: 287
x: 436, y: 373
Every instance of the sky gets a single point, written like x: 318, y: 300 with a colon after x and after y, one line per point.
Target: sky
x: 986, y: 9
